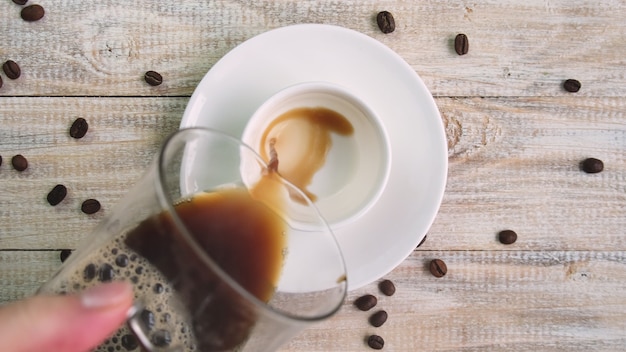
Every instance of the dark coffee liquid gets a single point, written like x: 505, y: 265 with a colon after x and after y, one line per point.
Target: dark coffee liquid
x: 240, y: 236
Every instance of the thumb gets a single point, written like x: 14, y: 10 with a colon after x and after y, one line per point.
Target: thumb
x: 73, y: 323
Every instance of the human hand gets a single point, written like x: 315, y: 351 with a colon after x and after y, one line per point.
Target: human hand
x: 72, y: 323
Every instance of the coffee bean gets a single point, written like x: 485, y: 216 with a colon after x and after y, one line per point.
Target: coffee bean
x: 386, y: 22
x: 592, y: 165
x: 375, y: 342
x: 507, y: 236
x: 153, y: 78
x: 20, y: 2
x: 57, y: 194
x: 161, y: 338
x: 387, y: 287
x: 32, y: 13
x: 438, y: 268
x: 129, y: 342
x: 366, y: 302
x: 571, y: 85
x: 11, y: 69
x: 90, y: 206
x: 461, y: 44
x: 90, y: 272
x: 378, y: 319
x: 65, y: 253
x: 106, y: 273
x: 79, y: 128
x: 19, y: 162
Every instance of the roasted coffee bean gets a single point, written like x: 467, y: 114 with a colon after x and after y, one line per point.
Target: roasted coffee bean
x: 461, y: 44
x: 122, y: 260
x: 153, y: 78
x: 147, y: 317
x: 11, y: 69
x: 376, y: 342
x: 90, y: 206
x: 19, y: 162
x: 65, y: 253
x: 571, y: 85
x: 32, y: 13
x: 378, y: 319
x: 57, y: 194
x: 79, y: 128
x: 592, y: 165
x: 366, y: 302
x: 90, y: 272
x: 161, y: 338
x: 129, y: 342
x: 386, y: 22
x: 106, y: 273
x: 507, y: 236
x: 387, y: 287
x: 438, y: 268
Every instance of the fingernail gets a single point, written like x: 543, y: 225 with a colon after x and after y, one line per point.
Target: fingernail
x: 106, y: 295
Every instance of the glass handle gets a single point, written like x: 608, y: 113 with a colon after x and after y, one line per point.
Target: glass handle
x: 139, y: 329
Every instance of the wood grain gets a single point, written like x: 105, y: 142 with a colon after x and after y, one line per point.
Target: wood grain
x: 516, y: 48
x: 123, y: 138
x: 489, y: 300
x: 514, y: 163
x: 23, y: 272
x: 515, y: 140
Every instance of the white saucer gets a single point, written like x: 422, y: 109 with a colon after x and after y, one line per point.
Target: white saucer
x: 244, y: 78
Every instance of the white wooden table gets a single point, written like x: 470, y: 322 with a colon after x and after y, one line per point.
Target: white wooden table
x: 515, y: 139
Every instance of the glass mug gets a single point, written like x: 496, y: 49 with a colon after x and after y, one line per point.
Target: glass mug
x: 222, y: 252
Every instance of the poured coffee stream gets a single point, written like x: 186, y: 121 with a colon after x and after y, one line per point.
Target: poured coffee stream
x: 302, y: 138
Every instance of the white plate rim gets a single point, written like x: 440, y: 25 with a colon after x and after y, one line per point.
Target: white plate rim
x: 254, y: 70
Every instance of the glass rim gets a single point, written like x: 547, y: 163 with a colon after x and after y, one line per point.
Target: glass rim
x: 168, y: 204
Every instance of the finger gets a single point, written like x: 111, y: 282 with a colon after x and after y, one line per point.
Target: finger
x: 75, y: 323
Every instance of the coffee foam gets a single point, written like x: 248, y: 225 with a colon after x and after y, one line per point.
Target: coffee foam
x: 163, y: 312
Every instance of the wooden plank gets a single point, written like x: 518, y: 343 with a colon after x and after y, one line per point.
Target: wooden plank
x: 516, y: 48
x: 23, y: 272
x: 123, y: 138
x: 489, y: 300
x: 513, y: 164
